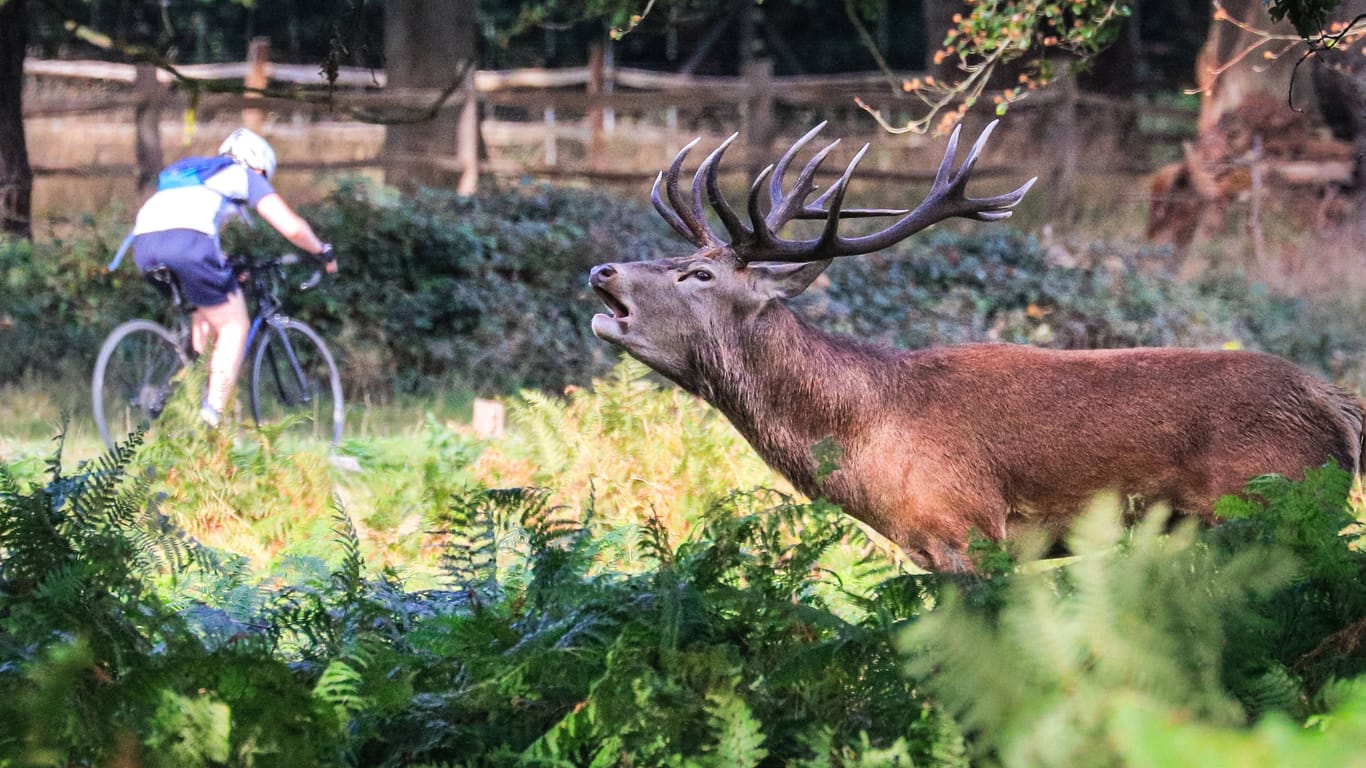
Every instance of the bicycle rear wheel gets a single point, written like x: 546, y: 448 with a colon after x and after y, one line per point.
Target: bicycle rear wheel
x: 295, y: 379
x: 132, y: 379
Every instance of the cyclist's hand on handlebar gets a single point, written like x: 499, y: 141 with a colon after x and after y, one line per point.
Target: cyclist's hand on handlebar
x: 328, y: 259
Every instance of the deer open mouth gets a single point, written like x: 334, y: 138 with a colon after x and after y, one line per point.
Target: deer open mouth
x: 613, y: 325
x: 614, y: 305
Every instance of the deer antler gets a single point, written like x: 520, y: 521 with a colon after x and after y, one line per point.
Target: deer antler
x: 759, y: 241
x: 689, y: 218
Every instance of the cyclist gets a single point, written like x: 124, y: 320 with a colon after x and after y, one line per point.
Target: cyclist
x: 178, y: 226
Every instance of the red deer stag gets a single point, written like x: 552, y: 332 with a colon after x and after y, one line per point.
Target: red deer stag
x: 938, y: 442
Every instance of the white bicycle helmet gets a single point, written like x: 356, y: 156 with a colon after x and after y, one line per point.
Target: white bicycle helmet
x: 250, y: 150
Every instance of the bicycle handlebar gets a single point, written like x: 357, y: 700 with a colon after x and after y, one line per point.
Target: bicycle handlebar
x: 312, y: 281
x: 285, y: 260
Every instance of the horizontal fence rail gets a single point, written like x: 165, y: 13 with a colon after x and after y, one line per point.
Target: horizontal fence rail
x: 596, y: 122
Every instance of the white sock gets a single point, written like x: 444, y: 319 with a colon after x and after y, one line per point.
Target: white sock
x: 211, y: 415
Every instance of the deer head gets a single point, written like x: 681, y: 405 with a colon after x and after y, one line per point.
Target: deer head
x: 669, y: 312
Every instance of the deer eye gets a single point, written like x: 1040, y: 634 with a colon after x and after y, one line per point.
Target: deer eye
x: 697, y: 274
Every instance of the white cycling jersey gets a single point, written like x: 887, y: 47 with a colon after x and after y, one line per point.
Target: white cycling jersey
x: 204, y: 207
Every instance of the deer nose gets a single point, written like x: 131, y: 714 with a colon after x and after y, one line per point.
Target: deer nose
x: 601, y: 274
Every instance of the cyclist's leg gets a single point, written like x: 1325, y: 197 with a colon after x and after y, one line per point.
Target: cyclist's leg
x: 201, y: 332
x: 207, y: 283
x: 228, y: 324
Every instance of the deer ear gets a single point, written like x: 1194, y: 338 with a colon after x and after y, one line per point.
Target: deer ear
x: 783, y: 281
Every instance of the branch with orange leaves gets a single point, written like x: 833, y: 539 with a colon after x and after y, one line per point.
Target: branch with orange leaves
x: 995, y: 32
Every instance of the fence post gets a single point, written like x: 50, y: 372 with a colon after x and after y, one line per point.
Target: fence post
x: 258, y: 61
x: 467, y: 135
x: 147, y: 121
x: 552, y: 154
x: 758, y: 113
x: 596, y: 79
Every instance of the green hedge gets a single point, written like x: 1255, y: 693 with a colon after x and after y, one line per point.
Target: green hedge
x: 490, y: 290
x: 490, y: 293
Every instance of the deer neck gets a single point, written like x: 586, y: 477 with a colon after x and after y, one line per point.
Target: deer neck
x: 788, y: 387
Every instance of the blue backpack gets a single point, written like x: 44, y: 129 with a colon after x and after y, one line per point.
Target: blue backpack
x: 185, y: 172
x: 191, y: 171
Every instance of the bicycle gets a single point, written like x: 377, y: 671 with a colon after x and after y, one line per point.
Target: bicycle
x: 291, y: 370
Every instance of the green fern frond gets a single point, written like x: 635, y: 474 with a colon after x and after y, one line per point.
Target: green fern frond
x: 350, y: 572
x: 1274, y: 690
x: 544, y: 418
x: 63, y: 587
x: 657, y: 541
x: 470, y: 555
x: 342, y: 682
x: 739, y: 737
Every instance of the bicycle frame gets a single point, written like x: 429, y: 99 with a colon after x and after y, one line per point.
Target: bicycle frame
x: 263, y: 287
x: 261, y: 283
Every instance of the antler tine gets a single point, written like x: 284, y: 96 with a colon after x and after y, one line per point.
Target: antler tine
x: 945, y: 171
x: 961, y: 177
x: 947, y: 198
x: 665, y: 211
x: 775, y: 188
x: 756, y: 216
x: 793, y: 204
x: 692, y: 216
x: 698, y: 208
x: 999, y: 207
x: 769, y: 247
x: 706, y: 173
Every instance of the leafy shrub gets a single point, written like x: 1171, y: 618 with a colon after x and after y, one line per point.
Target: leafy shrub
x: 773, y: 633
x: 57, y: 302
x: 490, y: 290
x: 489, y: 293
x: 1079, y: 664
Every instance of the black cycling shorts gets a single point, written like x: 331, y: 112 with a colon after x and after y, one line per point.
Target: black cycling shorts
x: 205, y: 278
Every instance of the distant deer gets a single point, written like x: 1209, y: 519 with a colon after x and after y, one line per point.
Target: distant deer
x: 938, y: 442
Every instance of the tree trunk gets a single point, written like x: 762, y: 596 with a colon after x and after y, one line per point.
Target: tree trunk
x: 1242, y: 102
x: 1224, y: 92
x: 424, y: 43
x: 147, y: 118
x: 16, y: 177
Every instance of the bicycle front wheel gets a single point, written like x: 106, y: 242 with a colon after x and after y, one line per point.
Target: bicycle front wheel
x: 133, y: 378
x: 295, y: 380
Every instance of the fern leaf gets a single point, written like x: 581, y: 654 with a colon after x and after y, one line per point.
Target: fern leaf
x: 739, y: 736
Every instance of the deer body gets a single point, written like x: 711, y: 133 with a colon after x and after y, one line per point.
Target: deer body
x: 934, y: 444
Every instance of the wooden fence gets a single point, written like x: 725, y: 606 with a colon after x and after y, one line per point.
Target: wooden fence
x: 596, y: 122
